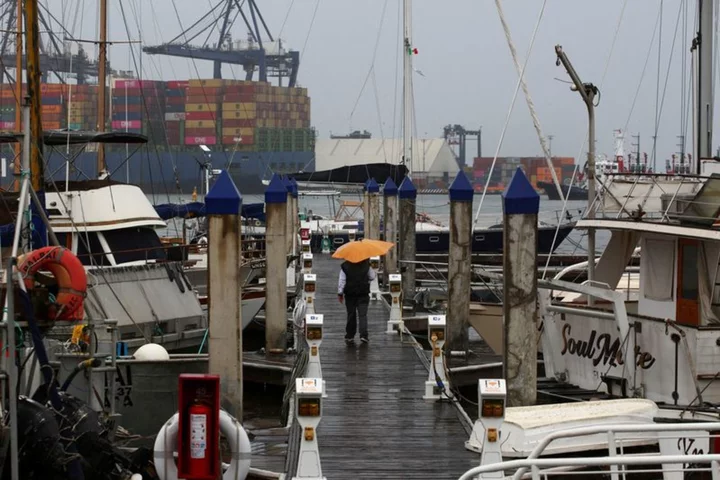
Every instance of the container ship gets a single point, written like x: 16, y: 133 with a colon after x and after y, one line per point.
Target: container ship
x: 535, y: 168
x: 251, y: 128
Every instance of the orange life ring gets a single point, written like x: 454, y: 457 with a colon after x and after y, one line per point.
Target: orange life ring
x: 69, y: 274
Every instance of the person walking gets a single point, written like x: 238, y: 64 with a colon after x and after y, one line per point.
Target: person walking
x: 354, y: 290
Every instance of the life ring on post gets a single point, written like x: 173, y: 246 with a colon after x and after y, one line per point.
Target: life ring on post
x: 69, y: 274
x: 166, y: 444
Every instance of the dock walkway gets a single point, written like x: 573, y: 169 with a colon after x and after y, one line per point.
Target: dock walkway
x: 375, y: 423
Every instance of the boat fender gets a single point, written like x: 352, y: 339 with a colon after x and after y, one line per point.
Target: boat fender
x: 236, y: 436
x: 258, y: 223
x: 69, y: 274
x: 170, y: 273
x: 177, y: 273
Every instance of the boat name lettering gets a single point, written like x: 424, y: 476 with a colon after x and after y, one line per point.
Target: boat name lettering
x: 601, y: 348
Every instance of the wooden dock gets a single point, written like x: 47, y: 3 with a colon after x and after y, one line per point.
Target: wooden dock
x: 375, y: 423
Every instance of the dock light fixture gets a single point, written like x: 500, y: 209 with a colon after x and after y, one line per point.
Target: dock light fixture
x: 308, y: 411
x: 395, y: 321
x: 307, y: 263
x: 374, y: 286
x: 437, y: 383
x: 305, y: 246
x: 352, y: 234
x: 313, y: 338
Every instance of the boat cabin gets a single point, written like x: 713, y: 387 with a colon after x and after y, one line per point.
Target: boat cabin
x: 665, y: 344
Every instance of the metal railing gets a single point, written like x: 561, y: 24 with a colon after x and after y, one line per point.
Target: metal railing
x: 617, y: 459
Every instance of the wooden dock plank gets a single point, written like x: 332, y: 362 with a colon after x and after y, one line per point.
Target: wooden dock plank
x: 375, y: 422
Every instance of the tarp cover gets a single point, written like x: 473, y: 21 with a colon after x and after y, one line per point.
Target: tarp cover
x: 356, y: 174
x: 167, y: 211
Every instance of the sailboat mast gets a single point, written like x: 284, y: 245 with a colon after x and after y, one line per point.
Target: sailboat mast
x: 32, y: 39
x: 705, y: 81
x: 102, y: 75
x: 407, y: 84
x: 18, y: 87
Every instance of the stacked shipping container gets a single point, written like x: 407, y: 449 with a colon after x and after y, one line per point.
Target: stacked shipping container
x: 234, y: 115
x: 535, y: 168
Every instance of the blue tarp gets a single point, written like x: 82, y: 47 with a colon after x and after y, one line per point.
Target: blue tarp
x: 167, y: 211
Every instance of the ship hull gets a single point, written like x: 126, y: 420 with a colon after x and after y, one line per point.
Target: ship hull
x: 575, y: 192
x: 161, y: 173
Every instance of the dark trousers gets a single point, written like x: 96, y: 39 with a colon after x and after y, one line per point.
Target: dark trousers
x: 356, y: 307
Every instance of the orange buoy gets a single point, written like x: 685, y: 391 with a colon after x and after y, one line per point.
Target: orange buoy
x: 69, y: 274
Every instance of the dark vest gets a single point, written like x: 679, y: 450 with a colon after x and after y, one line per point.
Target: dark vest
x: 356, y: 279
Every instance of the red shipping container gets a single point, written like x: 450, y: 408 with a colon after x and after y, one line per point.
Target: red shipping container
x: 238, y: 123
x: 199, y: 132
x: 204, y: 91
x: 177, y: 84
x: 233, y: 140
x: 127, y: 124
x: 200, y: 140
x: 137, y: 84
x: 200, y: 115
x: 7, y: 125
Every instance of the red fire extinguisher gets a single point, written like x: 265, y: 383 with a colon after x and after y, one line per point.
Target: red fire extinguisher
x: 200, y: 461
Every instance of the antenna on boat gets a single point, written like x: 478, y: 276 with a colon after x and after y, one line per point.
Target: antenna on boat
x: 702, y: 47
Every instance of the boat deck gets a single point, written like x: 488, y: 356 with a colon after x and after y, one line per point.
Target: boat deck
x: 375, y: 423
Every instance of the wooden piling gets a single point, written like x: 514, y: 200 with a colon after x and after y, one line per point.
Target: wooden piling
x: 276, y: 251
x: 459, y: 263
x: 520, y: 229
x: 408, y: 196
x: 223, y: 204
x: 390, y: 219
x: 372, y: 210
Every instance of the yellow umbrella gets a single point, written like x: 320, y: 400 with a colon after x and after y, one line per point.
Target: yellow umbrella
x: 364, y: 249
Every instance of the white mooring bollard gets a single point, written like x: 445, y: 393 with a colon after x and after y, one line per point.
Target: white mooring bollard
x: 374, y: 285
x: 308, y: 411
x: 395, y: 321
x: 308, y: 294
x: 437, y: 383
x: 487, y: 432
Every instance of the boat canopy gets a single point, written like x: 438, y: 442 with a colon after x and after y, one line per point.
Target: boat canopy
x: 356, y: 174
x: 167, y: 211
x: 76, y: 137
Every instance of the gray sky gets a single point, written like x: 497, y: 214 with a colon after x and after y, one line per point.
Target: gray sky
x: 469, y: 77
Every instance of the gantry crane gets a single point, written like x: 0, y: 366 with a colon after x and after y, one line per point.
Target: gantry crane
x: 258, y: 52
x: 457, y: 135
x: 55, y: 57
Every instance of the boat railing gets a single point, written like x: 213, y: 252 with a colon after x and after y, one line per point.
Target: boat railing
x: 685, y: 199
x: 618, y: 460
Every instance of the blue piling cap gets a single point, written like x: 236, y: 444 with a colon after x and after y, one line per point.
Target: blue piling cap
x: 520, y: 197
x: 461, y: 190
x: 407, y: 189
x: 293, y: 187
x: 223, y: 198
x: 371, y: 186
x: 390, y: 189
x: 276, y: 191
x: 288, y: 184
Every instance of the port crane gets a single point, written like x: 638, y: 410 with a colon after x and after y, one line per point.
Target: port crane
x: 55, y: 55
x: 259, y: 52
x: 457, y: 135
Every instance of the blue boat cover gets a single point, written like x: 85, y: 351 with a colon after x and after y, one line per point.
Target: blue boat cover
x: 167, y: 211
